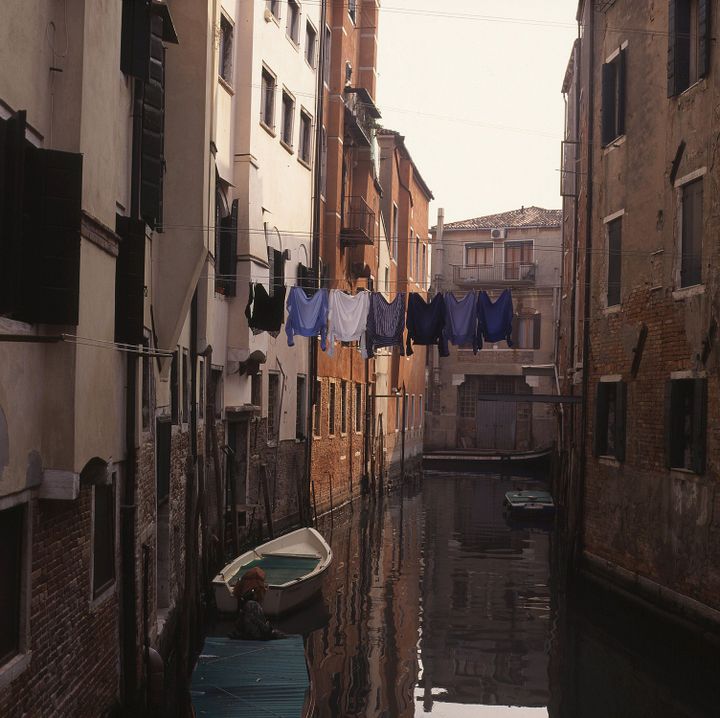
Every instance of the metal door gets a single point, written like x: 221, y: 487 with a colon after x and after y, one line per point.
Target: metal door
x: 496, y: 424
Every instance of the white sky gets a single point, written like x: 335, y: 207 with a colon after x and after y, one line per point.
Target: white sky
x: 478, y: 77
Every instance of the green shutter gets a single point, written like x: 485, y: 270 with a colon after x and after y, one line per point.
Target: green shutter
x: 699, y: 426
x: 672, y: 50
x: 620, y: 420
x: 704, y: 37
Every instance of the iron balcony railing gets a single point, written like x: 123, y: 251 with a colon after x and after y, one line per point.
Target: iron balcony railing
x: 506, y: 273
x: 358, y: 222
x: 361, y: 115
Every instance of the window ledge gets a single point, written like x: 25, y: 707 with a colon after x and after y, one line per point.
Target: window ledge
x: 226, y: 85
x: 304, y: 163
x: 685, y: 292
x: 684, y: 474
x: 295, y: 43
x: 97, y: 601
x: 288, y: 147
x: 14, y: 668
x: 609, y: 461
x: 268, y: 129
x: 310, y: 65
x: 316, y: 437
x: 614, y: 309
x: 617, y: 142
x: 690, y: 88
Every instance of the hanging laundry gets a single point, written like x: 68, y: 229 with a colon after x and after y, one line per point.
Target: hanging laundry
x: 307, y: 316
x: 495, y: 318
x: 386, y: 323
x: 461, y: 320
x: 347, y: 318
x: 426, y: 322
x: 265, y: 313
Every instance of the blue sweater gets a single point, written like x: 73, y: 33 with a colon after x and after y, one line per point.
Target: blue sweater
x: 495, y: 318
x: 426, y: 323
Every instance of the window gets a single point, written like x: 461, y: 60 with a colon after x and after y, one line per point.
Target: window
x: 323, y: 162
x: 526, y: 331
x: 686, y: 424
x: 398, y: 415
x: 352, y: 9
x: 300, y: 405
x: 317, y: 409
x: 467, y: 400
x: 691, y: 233
x: 293, y: 21
x: 103, y: 537
x: 256, y: 389
x: 267, y: 109
x: 358, y: 407
x: 174, y: 389
x: 201, y: 385
x: 331, y: 410
x: 387, y: 280
x: 186, y: 386
x: 273, y: 404
x: 274, y: 7
x: 412, y: 412
x: 225, y: 247
x: 305, y: 141
x: 310, y: 44
x: 518, y: 259
x: 410, y: 253
x: 614, y: 233
x: 288, y: 112
x: 406, y: 413
x: 327, y: 50
x: 479, y: 255
x: 216, y: 391
x: 277, y: 270
x: 689, y: 43
x: 395, y: 230
x: 424, y: 263
x: 12, y: 526
x: 421, y: 417
x: 613, y: 98
x: 343, y: 407
x: 610, y: 419
x: 146, y: 392
x: 418, y: 276
x: 225, y: 64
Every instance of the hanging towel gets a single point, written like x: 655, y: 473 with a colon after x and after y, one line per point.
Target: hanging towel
x: 426, y: 322
x: 265, y: 313
x: 386, y: 323
x: 461, y: 320
x: 495, y: 318
x: 307, y: 316
x: 347, y: 318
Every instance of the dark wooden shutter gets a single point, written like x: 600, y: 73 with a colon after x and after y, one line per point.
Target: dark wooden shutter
x: 130, y: 281
x: 12, y: 172
x: 672, y: 49
x: 50, y: 267
x: 699, y: 426
x: 704, y: 36
x: 537, y: 325
x: 163, y: 437
x: 608, y: 103
x: 153, y: 131
x: 227, y: 266
x: 668, y: 422
x: 601, y: 418
x: 135, y: 38
x: 620, y: 420
x: 515, y: 331
x: 621, y: 70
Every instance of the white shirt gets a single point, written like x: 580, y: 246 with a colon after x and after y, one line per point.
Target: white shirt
x: 347, y: 318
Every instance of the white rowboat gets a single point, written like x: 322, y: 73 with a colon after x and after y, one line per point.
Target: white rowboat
x: 294, y: 567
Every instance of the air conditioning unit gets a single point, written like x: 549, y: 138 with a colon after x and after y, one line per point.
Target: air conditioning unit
x: 499, y: 233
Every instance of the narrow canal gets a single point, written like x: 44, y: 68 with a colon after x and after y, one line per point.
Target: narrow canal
x: 436, y: 605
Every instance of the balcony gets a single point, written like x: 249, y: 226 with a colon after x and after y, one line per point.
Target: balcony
x: 358, y: 222
x: 360, y: 115
x: 506, y: 274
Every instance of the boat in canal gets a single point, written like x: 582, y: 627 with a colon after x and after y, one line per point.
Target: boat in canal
x: 529, y: 504
x: 294, y: 566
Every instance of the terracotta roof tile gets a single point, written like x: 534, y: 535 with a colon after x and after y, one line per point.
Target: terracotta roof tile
x: 515, y: 219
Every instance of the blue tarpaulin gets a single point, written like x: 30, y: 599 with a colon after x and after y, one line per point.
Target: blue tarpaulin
x: 251, y: 679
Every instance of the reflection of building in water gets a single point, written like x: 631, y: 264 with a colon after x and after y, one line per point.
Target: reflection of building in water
x: 486, y: 601
x: 364, y: 662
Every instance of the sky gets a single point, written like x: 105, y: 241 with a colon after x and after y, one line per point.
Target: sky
x: 475, y: 88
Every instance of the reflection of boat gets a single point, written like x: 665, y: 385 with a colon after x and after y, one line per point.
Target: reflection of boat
x: 294, y: 567
x: 529, y: 504
x: 472, y: 460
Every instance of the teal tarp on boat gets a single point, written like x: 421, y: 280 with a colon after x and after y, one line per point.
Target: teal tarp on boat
x: 250, y: 679
x: 280, y: 569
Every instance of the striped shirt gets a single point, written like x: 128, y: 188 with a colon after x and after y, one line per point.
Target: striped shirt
x: 386, y: 323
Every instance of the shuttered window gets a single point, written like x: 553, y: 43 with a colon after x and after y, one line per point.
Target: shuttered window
x: 300, y: 405
x: 103, y: 537
x: 331, y: 409
x: 267, y: 99
x: 130, y: 281
x: 277, y: 270
x: 686, y: 424
x: 613, y: 98
x: 526, y: 331
x: 610, y: 419
x: 12, y: 523
x: 343, y: 406
x: 614, y: 230
x: 689, y: 43
x: 174, y: 389
x: 692, y: 233
x: 226, y: 250
x: 358, y: 407
x: 317, y: 409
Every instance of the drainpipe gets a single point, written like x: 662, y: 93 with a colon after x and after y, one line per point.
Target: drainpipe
x: 315, y: 249
x: 128, y: 508
x: 588, y: 277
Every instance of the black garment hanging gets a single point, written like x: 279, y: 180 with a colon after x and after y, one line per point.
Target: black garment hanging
x: 426, y: 323
x: 265, y: 313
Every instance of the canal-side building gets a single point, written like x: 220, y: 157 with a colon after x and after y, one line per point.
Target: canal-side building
x: 517, y: 251
x: 645, y: 209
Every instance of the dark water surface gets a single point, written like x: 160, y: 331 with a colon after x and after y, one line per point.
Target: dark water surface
x: 437, y: 606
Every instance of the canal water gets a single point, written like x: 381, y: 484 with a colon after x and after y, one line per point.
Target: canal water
x: 437, y: 605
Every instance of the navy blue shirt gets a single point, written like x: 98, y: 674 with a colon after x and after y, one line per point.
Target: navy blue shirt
x: 426, y: 323
x: 495, y: 318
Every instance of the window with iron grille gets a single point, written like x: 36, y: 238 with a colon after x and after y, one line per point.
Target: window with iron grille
x: 610, y: 413
x: 273, y: 404
x: 103, y: 536
x: 343, y: 406
x: 358, y: 407
x: 686, y: 424
x: 467, y: 400
x: 331, y: 409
